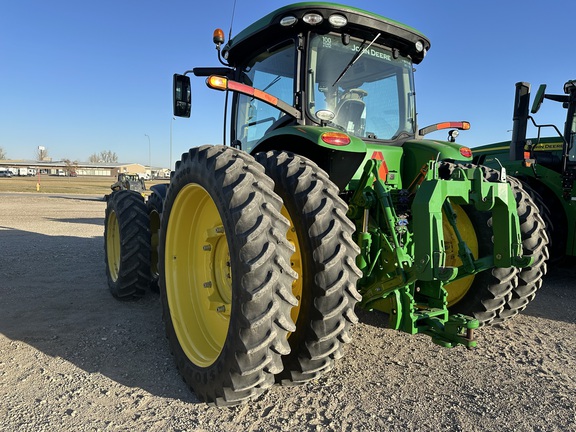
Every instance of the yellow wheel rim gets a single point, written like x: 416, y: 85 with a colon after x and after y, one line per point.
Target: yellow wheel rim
x: 198, y: 275
x: 296, y: 264
x: 458, y: 289
x: 113, y: 245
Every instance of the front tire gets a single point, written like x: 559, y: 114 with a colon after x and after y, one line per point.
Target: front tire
x: 225, y: 275
x: 325, y: 261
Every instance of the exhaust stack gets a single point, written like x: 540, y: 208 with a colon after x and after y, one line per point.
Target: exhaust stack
x: 520, y: 119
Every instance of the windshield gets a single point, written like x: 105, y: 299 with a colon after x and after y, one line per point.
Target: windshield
x: 369, y: 95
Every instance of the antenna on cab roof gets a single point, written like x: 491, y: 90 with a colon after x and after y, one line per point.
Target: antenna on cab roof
x: 232, y: 20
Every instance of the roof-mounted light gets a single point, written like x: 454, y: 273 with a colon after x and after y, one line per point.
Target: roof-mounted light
x: 218, y: 36
x: 312, y: 18
x: 337, y: 20
x: 419, y: 46
x: 288, y: 21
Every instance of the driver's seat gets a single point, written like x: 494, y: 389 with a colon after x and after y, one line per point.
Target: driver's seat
x: 350, y: 110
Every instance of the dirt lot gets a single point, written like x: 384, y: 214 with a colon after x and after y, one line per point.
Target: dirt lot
x: 73, y: 358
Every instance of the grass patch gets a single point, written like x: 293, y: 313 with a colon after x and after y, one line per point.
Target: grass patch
x: 92, y: 185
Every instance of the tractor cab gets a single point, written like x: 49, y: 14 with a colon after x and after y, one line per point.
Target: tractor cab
x: 347, y: 71
x: 354, y: 85
x: 568, y: 101
x: 556, y: 153
x: 129, y: 181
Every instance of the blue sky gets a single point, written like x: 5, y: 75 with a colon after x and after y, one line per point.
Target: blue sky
x: 81, y: 77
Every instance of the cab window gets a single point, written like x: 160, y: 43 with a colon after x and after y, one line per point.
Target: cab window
x: 273, y: 72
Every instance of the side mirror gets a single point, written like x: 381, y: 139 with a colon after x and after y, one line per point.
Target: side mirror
x: 182, y: 95
x: 538, y: 99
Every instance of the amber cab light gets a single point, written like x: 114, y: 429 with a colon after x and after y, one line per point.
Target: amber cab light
x: 336, y: 138
x: 466, y: 152
x: 218, y: 36
x: 217, y: 82
x: 464, y: 125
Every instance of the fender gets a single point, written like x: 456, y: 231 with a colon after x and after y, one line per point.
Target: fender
x: 336, y: 152
x: 160, y: 190
x: 417, y: 153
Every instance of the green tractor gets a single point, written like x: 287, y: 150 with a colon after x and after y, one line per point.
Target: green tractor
x: 326, y: 198
x: 545, y: 165
x: 128, y: 181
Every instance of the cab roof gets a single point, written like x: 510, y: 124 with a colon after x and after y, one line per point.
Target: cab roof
x: 360, y: 23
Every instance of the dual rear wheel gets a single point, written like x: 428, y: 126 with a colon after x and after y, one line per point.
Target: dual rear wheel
x: 257, y: 280
x: 325, y: 260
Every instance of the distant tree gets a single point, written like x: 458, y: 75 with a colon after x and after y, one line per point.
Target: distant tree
x: 41, y: 153
x: 71, y: 167
x: 109, y: 156
x: 2, y: 154
x: 106, y: 156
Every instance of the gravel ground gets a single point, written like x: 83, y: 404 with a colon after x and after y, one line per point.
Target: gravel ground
x: 72, y: 358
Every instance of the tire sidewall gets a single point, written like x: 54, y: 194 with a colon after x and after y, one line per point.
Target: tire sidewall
x: 211, y: 376
x: 241, y: 194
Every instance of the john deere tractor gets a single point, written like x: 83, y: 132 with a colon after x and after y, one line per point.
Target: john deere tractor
x: 127, y: 181
x: 545, y: 164
x: 326, y: 197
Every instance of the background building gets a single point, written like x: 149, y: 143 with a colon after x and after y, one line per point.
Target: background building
x: 28, y: 167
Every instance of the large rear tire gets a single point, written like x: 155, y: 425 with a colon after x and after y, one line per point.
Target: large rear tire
x: 225, y: 275
x: 127, y: 244
x: 325, y: 261
x: 534, y: 243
